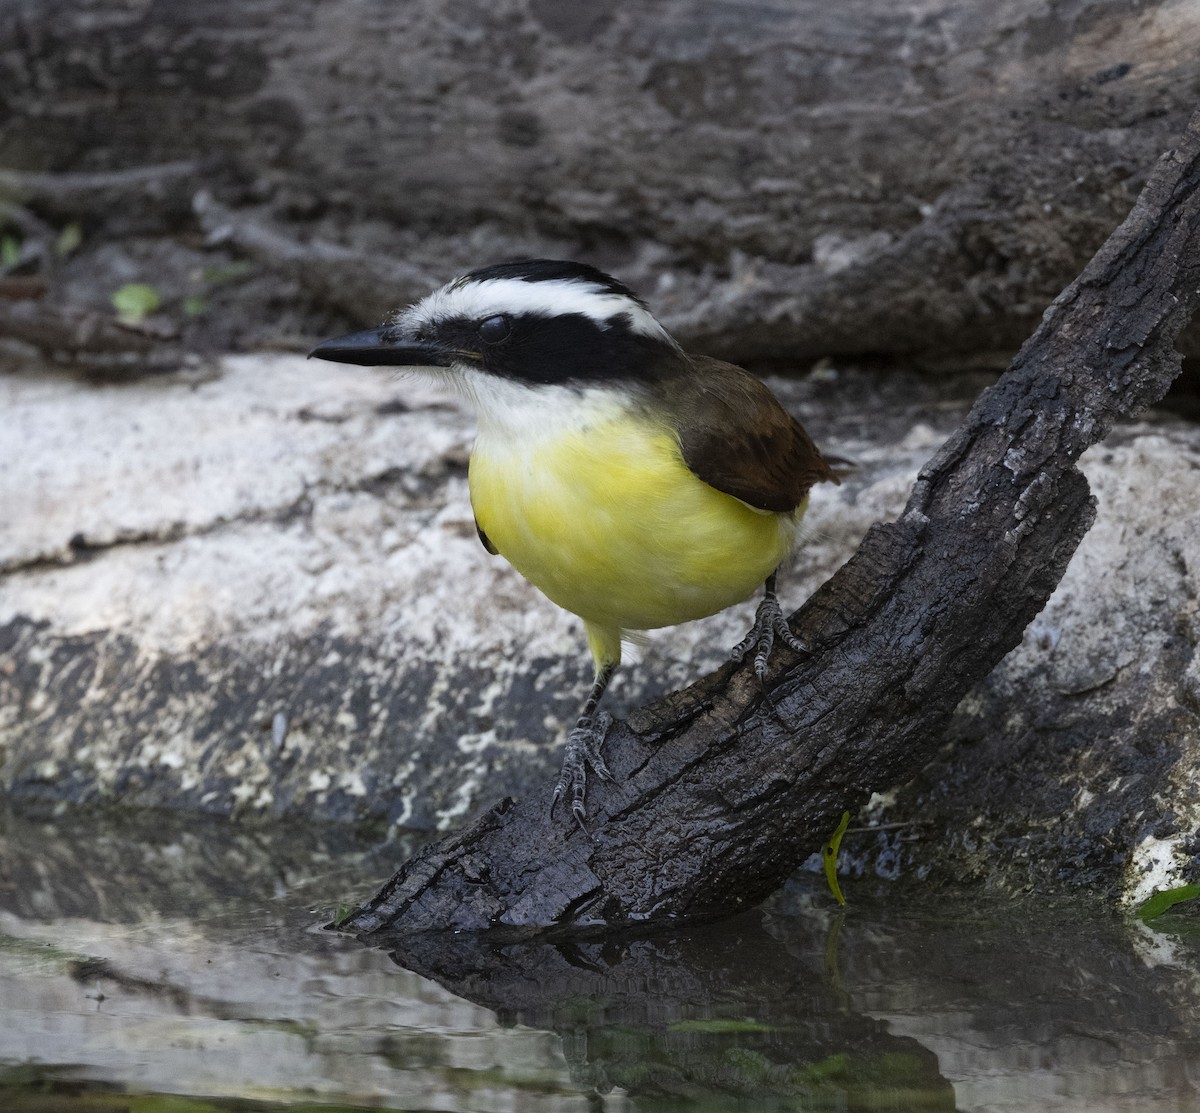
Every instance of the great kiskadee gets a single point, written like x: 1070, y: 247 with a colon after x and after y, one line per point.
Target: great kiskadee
x: 635, y: 485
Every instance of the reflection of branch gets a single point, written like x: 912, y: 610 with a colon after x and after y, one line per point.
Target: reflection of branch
x: 723, y: 789
x: 686, y: 1012
x: 364, y: 287
x: 730, y: 1012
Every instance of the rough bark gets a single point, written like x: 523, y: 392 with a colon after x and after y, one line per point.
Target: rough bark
x: 723, y: 789
x: 920, y: 178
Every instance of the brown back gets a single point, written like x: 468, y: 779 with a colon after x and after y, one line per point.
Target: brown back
x: 738, y: 438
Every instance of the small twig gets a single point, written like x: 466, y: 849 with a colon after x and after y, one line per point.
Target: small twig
x: 98, y: 343
x: 136, y: 196
x: 364, y: 287
x: 17, y: 287
x: 37, y: 238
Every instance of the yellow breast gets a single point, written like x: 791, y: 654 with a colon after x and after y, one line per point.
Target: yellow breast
x: 606, y: 519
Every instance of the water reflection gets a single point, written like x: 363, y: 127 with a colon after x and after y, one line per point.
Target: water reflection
x: 174, y: 955
x: 722, y: 1012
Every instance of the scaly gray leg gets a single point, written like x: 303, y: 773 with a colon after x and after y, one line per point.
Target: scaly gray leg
x: 583, y: 749
x: 769, y: 624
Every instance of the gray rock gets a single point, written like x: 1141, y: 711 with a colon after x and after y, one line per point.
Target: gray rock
x: 193, y: 560
x: 1078, y: 759
x: 261, y: 593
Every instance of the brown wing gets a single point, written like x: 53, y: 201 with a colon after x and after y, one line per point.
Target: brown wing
x: 738, y: 438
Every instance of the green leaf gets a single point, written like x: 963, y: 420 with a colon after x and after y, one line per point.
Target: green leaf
x: 69, y: 239
x: 135, y: 301
x: 830, y: 857
x: 1166, y: 899
x: 194, y: 305
x: 10, y: 251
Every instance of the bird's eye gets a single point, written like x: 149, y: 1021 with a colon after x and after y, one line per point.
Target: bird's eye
x: 494, y: 329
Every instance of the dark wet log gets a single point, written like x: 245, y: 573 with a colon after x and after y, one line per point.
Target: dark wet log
x: 723, y: 789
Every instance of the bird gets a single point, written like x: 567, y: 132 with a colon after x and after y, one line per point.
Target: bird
x: 635, y: 485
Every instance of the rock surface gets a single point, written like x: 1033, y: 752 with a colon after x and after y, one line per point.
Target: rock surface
x: 1078, y: 759
x: 260, y: 592
x: 264, y: 592
x: 785, y: 180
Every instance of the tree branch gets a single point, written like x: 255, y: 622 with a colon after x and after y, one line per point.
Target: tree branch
x: 133, y: 199
x: 366, y: 287
x: 101, y: 344
x: 722, y: 789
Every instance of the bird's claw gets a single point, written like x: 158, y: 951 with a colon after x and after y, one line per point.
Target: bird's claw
x: 769, y: 625
x: 582, y: 749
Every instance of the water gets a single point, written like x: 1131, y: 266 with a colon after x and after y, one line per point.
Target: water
x: 175, y: 965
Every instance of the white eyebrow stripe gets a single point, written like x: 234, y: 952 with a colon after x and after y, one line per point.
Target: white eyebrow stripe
x: 553, y: 298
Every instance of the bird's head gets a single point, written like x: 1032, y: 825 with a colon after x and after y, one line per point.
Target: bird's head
x: 532, y: 322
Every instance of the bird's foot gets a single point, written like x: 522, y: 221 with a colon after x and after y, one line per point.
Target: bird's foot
x: 769, y: 625
x: 583, y: 749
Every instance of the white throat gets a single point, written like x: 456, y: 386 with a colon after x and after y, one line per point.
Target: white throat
x: 514, y: 412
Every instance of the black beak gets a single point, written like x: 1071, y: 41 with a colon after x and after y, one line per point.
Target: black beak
x: 381, y: 347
